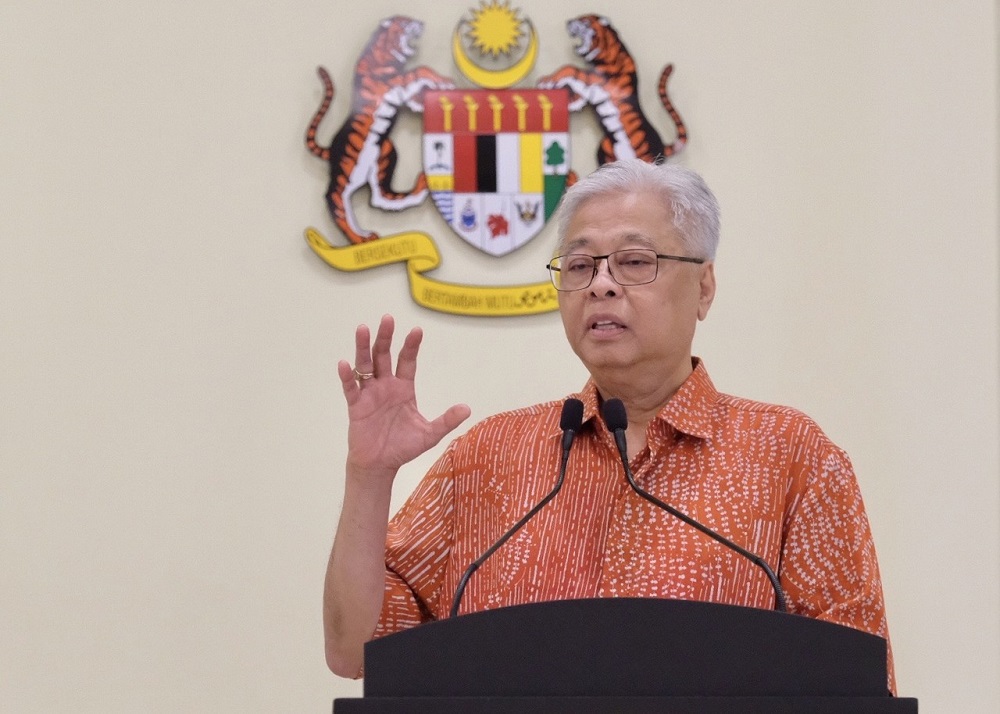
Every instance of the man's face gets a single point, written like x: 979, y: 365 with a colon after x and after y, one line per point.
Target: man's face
x: 635, y: 331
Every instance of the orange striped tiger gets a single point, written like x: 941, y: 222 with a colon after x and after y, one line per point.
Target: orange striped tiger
x: 611, y: 89
x: 361, y: 152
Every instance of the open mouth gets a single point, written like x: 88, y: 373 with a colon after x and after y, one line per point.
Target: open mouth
x: 582, y: 36
x: 407, y: 44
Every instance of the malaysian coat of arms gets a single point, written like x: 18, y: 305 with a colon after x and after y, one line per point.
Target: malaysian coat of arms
x: 496, y: 155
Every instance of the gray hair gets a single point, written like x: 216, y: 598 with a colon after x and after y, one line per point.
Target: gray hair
x: 694, y: 206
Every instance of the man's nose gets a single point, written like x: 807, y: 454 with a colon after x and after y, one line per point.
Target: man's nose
x: 602, y: 276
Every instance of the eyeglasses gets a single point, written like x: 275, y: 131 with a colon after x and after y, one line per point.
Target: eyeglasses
x: 636, y: 266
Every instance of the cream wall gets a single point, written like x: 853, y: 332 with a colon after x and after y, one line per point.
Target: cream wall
x: 172, y: 431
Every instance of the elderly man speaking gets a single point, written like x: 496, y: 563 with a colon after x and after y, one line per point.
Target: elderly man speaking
x: 635, y: 274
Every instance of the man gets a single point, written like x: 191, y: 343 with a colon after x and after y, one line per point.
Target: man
x: 635, y: 274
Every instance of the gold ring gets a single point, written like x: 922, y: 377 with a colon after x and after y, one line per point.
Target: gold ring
x: 362, y: 376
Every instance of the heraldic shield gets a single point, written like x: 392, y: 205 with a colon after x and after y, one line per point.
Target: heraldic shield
x: 496, y: 162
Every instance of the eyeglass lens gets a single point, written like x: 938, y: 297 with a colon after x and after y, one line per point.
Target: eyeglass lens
x: 628, y: 267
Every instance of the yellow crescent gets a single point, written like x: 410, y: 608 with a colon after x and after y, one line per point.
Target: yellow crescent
x: 494, y: 79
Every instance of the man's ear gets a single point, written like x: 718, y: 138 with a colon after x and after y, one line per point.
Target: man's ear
x: 707, y: 290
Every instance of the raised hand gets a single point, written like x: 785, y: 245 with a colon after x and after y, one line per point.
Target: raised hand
x: 386, y: 428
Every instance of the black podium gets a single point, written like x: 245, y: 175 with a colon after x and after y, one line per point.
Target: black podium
x: 626, y: 655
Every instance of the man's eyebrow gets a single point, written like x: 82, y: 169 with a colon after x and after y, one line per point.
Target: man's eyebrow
x: 630, y: 238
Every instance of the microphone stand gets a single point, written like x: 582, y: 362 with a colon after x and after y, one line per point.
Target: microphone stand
x: 617, y: 423
x: 572, y: 418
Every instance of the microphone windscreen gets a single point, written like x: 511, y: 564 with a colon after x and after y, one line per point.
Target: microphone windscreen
x: 613, y: 412
x: 572, y: 415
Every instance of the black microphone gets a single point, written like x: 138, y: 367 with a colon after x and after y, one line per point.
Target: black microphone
x: 570, y: 423
x: 613, y: 412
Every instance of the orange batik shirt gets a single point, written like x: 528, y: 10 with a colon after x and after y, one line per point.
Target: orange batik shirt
x: 764, y: 476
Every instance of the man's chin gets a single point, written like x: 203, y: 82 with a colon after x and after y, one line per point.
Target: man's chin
x: 605, y: 359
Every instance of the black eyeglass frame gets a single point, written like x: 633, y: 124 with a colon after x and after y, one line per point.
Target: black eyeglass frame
x: 660, y: 256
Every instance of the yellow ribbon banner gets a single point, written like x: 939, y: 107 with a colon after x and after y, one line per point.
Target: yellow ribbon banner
x: 420, y: 254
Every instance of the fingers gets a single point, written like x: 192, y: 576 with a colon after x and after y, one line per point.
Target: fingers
x: 381, y: 353
x: 450, y: 420
x: 456, y: 415
x: 406, y: 367
x: 376, y: 357
x: 363, y: 350
x: 347, y: 381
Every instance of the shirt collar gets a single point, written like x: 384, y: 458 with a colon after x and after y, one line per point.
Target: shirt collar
x: 690, y: 410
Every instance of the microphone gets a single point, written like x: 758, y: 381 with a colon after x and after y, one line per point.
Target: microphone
x: 570, y: 423
x: 613, y: 412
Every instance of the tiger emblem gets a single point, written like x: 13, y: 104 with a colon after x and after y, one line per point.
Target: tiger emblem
x: 610, y: 88
x: 361, y: 152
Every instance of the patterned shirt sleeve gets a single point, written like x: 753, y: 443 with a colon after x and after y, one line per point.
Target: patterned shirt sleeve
x: 417, y: 549
x: 829, y: 568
